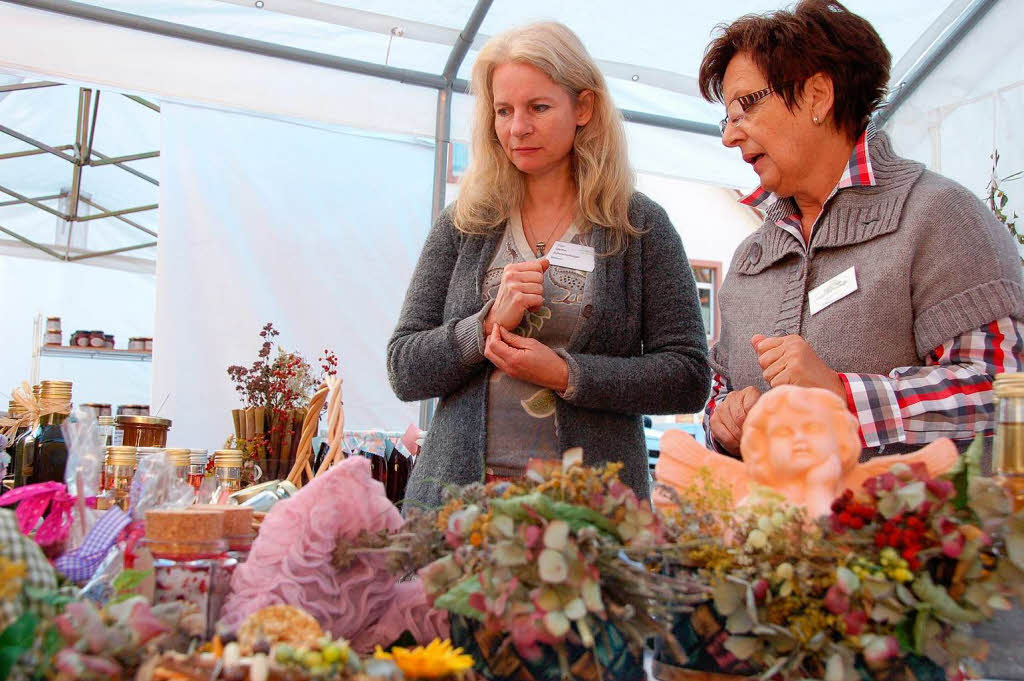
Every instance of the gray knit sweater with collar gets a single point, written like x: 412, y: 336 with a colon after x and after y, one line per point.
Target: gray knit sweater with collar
x: 931, y: 263
x: 640, y: 348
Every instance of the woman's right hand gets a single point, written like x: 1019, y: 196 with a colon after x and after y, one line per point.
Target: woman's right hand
x: 521, y: 289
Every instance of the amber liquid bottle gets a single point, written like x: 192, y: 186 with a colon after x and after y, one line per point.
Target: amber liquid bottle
x: 1008, y: 448
x: 50, y: 455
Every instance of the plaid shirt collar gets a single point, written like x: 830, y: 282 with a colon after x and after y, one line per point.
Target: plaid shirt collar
x: 783, y: 211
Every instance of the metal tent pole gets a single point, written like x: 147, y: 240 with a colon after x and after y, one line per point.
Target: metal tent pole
x: 442, y: 134
x: 917, y: 75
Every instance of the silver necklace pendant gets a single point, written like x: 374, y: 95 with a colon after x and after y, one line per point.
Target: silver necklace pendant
x: 540, y: 249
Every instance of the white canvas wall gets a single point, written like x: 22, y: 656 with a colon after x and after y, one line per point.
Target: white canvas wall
x: 311, y: 228
x: 971, y: 104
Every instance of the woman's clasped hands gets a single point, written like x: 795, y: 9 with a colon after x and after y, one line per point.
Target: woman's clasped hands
x: 527, y: 359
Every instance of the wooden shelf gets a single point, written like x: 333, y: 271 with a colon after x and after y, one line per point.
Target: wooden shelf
x: 96, y: 353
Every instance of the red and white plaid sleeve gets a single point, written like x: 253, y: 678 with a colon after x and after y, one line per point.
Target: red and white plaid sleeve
x: 719, y: 389
x: 951, y: 396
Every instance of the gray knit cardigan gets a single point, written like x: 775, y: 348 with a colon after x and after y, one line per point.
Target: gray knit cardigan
x: 640, y: 348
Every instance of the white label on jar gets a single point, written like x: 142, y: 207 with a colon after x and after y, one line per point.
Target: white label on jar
x: 118, y: 439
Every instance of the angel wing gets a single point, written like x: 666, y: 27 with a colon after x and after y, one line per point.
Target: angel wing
x: 938, y: 456
x: 681, y: 460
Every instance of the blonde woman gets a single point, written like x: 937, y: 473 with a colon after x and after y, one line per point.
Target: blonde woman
x: 552, y: 304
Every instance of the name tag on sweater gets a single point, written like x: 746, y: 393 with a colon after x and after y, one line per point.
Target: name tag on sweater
x: 573, y: 256
x: 836, y: 288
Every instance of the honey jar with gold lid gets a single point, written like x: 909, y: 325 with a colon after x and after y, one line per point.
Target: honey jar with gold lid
x: 118, y: 472
x: 1008, y: 448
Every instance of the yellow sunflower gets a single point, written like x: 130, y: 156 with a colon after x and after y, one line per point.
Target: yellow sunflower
x: 11, y: 575
x: 435, y: 661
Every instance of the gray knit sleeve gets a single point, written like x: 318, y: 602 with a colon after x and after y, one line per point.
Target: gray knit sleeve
x: 672, y: 375
x: 428, y: 357
x: 966, y: 271
x: 469, y: 335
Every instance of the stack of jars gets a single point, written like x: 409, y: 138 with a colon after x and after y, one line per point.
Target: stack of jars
x: 97, y: 340
x: 53, y: 332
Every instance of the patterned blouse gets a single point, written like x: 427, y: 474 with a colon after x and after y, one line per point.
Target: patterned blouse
x: 521, y: 419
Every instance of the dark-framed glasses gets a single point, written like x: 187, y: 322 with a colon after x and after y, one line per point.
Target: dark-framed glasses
x: 745, y: 102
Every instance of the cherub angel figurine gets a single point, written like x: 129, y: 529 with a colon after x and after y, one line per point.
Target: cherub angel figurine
x: 801, y: 442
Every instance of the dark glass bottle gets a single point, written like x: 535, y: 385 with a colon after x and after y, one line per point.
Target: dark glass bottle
x: 50, y: 456
x: 12, y: 451
x: 24, y: 449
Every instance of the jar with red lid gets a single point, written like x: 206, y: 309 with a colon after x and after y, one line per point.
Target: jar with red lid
x: 96, y: 339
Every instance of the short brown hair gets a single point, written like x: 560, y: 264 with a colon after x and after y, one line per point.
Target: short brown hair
x: 790, y: 46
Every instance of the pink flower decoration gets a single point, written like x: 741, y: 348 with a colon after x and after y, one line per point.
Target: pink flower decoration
x: 292, y: 562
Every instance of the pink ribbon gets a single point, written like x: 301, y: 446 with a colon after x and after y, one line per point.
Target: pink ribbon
x: 33, y: 501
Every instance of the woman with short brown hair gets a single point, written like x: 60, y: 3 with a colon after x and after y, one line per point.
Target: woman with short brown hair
x: 888, y: 284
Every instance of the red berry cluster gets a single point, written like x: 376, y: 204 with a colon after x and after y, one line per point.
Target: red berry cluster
x: 329, y: 362
x: 905, y: 533
x: 851, y: 514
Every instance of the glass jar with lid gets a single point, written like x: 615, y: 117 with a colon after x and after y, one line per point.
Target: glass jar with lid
x: 143, y: 431
x: 227, y: 465
x: 197, y: 468
x: 1008, y: 448
x: 180, y: 459
x: 191, y: 561
x: 118, y: 472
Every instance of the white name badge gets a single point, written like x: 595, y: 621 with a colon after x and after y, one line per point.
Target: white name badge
x: 836, y: 288
x: 572, y: 256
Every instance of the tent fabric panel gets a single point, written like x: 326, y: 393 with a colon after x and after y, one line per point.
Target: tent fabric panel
x: 75, y: 50
x: 317, y: 232
x: 971, y: 105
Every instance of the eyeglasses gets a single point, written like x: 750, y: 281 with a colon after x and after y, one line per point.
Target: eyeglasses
x: 745, y: 102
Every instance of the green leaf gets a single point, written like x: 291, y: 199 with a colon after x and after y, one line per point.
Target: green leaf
x: 17, y: 638
x: 456, y: 599
x: 1003, y: 200
x: 965, y: 468
x: 8, y: 657
x: 904, y: 635
x: 130, y: 580
x: 942, y: 603
x: 52, y: 643
x: 578, y: 517
x: 55, y: 599
x: 920, y: 627
x: 21, y: 633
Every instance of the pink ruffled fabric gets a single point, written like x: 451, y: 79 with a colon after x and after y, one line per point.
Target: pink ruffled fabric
x: 290, y: 563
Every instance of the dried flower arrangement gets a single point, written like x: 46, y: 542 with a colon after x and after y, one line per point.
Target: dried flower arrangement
x: 275, y: 390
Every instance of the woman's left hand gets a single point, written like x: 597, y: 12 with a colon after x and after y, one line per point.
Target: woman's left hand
x: 790, y: 360
x: 526, y: 359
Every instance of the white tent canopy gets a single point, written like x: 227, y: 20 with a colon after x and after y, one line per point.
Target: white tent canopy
x: 304, y: 147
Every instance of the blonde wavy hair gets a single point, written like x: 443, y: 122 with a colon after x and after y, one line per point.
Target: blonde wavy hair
x: 492, y: 186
